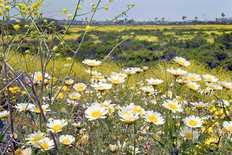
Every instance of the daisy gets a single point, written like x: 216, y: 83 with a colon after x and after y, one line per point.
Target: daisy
x: 116, y: 79
x: 193, y: 121
x: 127, y: 116
x: 74, y: 96
x: 148, y: 89
x: 132, y: 70
x: 35, y: 137
x: 4, y: 114
x: 38, y: 77
x: 154, y: 118
x: 176, y: 72
x: 56, y: 125
x: 80, y: 87
x: 95, y: 111
x: 189, y: 134
x: 193, y: 85
x: 69, y: 81
x: 136, y: 109
x: 181, y: 61
x: 24, y: 151
x: 36, y: 109
x: 214, y: 86
x: 191, y: 77
x: 227, y: 85
x: 154, y: 82
x: 91, y: 62
x: 209, y: 78
x: 109, y: 107
x: 66, y: 139
x: 172, y: 105
x: 23, y: 107
x: 227, y: 125
x: 101, y: 86
x: 46, y: 144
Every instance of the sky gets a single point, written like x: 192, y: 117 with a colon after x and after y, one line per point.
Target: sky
x: 146, y: 9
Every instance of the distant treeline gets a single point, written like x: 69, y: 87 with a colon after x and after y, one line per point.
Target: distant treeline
x: 132, y: 22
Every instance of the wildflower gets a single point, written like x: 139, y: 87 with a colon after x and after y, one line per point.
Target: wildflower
x: 135, y: 109
x: 23, y: 107
x: 60, y: 95
x: 116, y: 79
x: 209, y: 78
x: 193, y: 121
x: 91, y: 62
x: 74, y: 96
x: 154, y: 82
x: 214, y: 86
x: 66, y: 139
x: 4, y: 114
x: 80, y: 87
x: 25, y: 151
x: 181, y: 61
x: 46, y: 144
x: 191, y: 77
x: 154, y: 118
x: 172, y: 105
x: 145, y: 68
x: 35, y: 137
x: 69, y: 81
x: 132, y: 70
x: 213, y: 139
x: 127, y: 116
x: 199, y: 104
x: 56, y: 125
x: 16, y: 27
x: 109, y: 107
x: 227, y: 125
x: 148, y: 89
x: 95, y: 111
x: 14, y: 89
x: 189, y: 134
x: 102, y: 86
x: 37, y: 110
x: 193, y: 85
x: 38, y: 77
x: 176, y: 72
x: 227, y: 85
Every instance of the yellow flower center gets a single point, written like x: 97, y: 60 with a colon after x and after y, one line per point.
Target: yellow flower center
x: 192, y: 123
x: 66, y: 141
x: 39, y: 78
x: 96, y: 114
x: 172, y: 106
x: 189, y: 135
x: 57, y: 127
x: 44, y: 146
x: 153, y: 118
x: 137, y: 109
x: 36, y: 138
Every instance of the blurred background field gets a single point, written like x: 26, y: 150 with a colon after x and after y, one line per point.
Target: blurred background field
x: 139, y: 44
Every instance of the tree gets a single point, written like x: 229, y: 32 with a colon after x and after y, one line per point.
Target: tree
x: 223, y: 15
x: 184, y: 18
x: 196, y: 18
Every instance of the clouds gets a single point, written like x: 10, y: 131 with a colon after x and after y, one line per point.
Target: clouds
x: 148, y: 9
